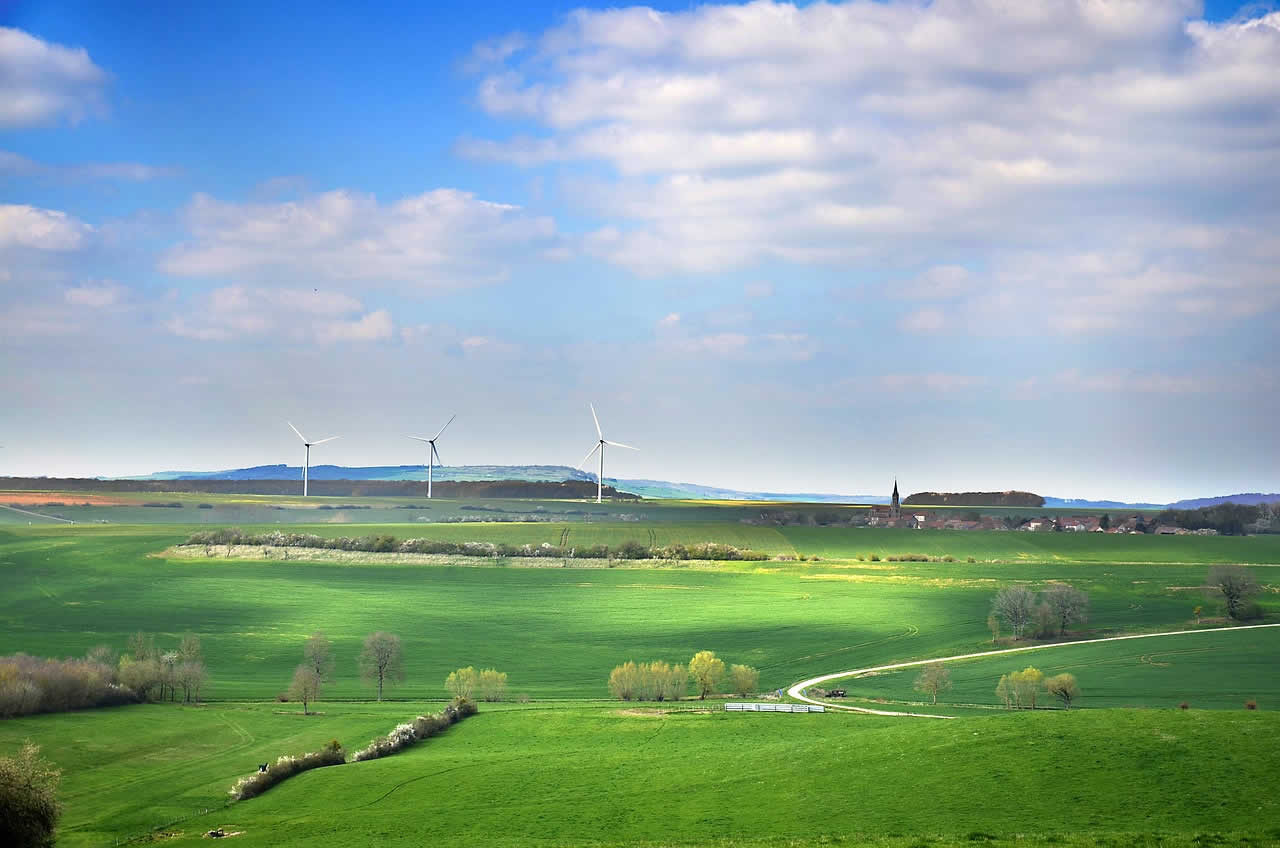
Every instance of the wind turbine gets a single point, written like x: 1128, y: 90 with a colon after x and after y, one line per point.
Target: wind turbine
x: 432, y: 454
x: 306, y: 468
x: 600, y: 447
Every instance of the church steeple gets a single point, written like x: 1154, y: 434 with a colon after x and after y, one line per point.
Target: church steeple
x: 894, y: 509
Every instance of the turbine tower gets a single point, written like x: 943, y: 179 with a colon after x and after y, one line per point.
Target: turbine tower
x: 602, y: 441
x: 433, y: 455
x: 306, y: 467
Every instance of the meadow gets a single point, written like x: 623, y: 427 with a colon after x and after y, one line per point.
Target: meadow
x: 572, y: 767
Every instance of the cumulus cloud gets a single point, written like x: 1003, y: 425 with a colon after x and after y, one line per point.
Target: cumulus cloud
x: 950, y: 136
x: 295, y: 315
x: 42, y: 82
x: 95, y: 294
x: 21, y: 166
x: 439, y: 239
x: 40, y: 229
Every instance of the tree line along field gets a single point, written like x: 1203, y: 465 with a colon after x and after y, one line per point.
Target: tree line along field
x: 577, y: 771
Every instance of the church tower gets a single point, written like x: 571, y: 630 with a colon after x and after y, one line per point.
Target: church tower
x: 895, y: 510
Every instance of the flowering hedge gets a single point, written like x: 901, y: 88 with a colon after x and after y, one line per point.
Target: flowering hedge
x: 286, y: 767
x: 410, y: 733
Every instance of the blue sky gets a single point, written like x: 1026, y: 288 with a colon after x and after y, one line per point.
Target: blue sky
x: 802, y: 248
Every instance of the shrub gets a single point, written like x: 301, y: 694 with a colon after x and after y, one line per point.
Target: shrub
x: 970, y: 559
x: 875, y: 557
x: 493, y: 684
x: 286, y: 767
x: 30, y: 685
x: 29, y: 807
x: 462, y: 683
x: 1251, y: 704
x: 410, y: 733
x: 744, y: 678
x: 1184, y: 706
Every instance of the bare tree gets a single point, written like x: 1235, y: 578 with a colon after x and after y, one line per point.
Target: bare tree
x: 1236, y: 585
x: 318, y: 653
x: 1063, y: 687
x: 1068, y: 604
x: 382, y: 660
x: 192, y: 677
x: 1016, y: 606
x: 993, y: 624
x: 933, y: 678
x: 305, y: 686
x: 1004, y: 691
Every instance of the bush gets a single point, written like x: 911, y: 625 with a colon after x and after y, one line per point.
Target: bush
x: 29, y: 807
x: 410, y: 733
x: 286, y: 767
x: 493, y: 684
x: 1184, y: 706
x: 30, y: 685
x: 744, y: 678
x: 1251, y: 704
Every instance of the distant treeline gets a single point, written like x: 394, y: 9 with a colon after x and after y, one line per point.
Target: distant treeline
x: 1229, y: 519
x: 973, y: 499
x: 570, y: 489
x: 390, y: 544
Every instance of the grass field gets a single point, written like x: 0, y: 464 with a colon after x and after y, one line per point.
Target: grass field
x: 566, y: 773
x: 574, y: 771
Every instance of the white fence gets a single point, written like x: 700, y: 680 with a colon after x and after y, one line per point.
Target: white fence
x: 773, y: 708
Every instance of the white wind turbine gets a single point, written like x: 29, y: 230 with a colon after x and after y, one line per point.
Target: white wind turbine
x: 600, y: 447
x: 306, y: 468
x: 433, y: 456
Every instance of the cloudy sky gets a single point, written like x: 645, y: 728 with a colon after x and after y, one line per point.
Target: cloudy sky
x: 971, y: 244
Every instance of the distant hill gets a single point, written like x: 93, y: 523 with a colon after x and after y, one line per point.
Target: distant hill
x: 1245, y: 499
x: 1081, y: 504
x: 482, y: 473
x: 1026, y: 499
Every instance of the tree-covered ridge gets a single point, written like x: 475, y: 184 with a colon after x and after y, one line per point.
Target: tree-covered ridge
x: 1011, y: 498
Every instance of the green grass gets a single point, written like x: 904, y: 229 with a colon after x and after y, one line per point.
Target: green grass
x: 560, y: 774
x: 1214, y: 669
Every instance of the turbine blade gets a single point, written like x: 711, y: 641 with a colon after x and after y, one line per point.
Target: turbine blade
x: 419, y: 438
x: 619, y: 445
x: 588, y: 456
x: 595, y: 419
x: 322, y: 441
x: 439, y: 461
x: 446, y: 425
x: 295, y: 429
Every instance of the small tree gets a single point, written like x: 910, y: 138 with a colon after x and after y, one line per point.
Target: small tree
x: 706, y: 669
x: 305, y: 686
x: 993, y: 624
x: 382, y: 660
x: 463, y: 683
x: 1105, y: 521
x: 1015, y: 605
x: 744, y: 678
x: 1026, y: 685
x: 1197, y: 612
x: 933, y: 678
x: 1236, y: 585
x: 493, y: 684
x: 1004, y: 691
x: 624, y: 681
x: 318, y: 653
x: 1068, y: 604
x: 29, y: 807
x: 1063, y: 687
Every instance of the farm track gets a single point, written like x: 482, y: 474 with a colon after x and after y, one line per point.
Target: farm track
x: 797, y: 690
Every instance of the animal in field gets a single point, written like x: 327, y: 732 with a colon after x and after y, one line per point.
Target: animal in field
x: 262, y: 768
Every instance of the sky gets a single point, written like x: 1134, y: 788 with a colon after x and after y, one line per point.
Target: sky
x: 966, y: 244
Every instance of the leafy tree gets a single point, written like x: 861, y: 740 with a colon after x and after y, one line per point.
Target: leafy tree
x: 1068, y: 604
x: 382, y: 660
x: 1105, y: 521
x: 1015, y: 605
x: 1236, y: 585
x: 1197, y: 612
x: 706, y: 669
x: 318, y: 653
x: 744, y: 678
x: 493, y: 684
x: 1026, y: 685
x: 305, y: 686
x: 463, y: 683
x: 933, y: 678
x: 1063, y: 687
x: 29, y: 807
x: 192, y: 677
x: 624, y: 681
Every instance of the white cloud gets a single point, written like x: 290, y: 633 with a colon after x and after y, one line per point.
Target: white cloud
x: 95, y: 294
x: 295, y: 315
x: 895, y: 136
x: 41, y: 82
x: 930, y: 382
x: 18, y: 165
x: 923, y: 321
x: 439, y: 239
x: 40, y: 229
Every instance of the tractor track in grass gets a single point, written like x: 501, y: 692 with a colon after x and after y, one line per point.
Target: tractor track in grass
x: 797, y: 690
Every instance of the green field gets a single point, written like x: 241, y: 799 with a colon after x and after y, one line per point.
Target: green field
x: 570, y: 768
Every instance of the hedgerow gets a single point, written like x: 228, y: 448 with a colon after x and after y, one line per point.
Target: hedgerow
x: 413, y: 732
x: 389, y: 544
x: 286, y: 767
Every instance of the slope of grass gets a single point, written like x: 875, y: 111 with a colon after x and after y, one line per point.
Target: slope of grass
x: 1219, y: 669
x: 587, y: 775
